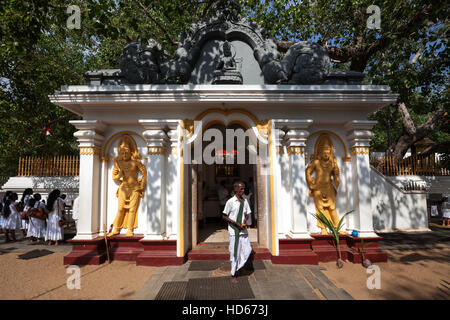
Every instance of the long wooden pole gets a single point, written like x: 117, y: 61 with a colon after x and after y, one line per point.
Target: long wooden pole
x: 106, y: 242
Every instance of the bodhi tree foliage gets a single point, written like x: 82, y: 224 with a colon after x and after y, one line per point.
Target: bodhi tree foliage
x: 40, y: 52
x: 409, y: 52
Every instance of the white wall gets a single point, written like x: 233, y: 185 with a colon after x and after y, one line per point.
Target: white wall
x: 394, y: 209
x: 44, y: 185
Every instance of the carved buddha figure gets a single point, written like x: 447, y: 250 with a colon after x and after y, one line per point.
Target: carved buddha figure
x: 321, y: 187
x: 127, y: 166
x: 227, y: 62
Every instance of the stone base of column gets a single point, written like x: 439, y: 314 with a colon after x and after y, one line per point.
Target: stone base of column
x: 159, y: 253
x: 85, y: 252
x: 295, y: 251
x: 123, y: 248
x: 371, y: 250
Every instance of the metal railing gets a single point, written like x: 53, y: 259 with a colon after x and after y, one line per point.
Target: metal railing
x: 59, y: 166
x: 413, y: 165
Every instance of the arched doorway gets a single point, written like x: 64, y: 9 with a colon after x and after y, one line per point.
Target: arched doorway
x: 215, y: 184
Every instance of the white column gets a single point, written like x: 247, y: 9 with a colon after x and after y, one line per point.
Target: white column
x: 90, y: 138
x: 359, y: 135
x: 104, y: 193
x: 296, y: 143
x: 172, y: 181
x: 281, y: 186
x: 155, y: 193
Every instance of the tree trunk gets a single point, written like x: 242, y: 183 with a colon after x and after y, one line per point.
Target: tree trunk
x: 411, y: 133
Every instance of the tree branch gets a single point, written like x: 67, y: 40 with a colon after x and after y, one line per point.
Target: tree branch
x: 172, y: 42
x: 405, y: 30
x: 408, y: 123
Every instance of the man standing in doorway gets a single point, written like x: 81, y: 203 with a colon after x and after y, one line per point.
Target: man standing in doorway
x: 236, y: 212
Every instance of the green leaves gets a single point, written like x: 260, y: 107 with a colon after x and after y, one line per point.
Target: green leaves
x: 332, y: 230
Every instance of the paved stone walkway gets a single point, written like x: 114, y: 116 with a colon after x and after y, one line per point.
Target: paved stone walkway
x: 275, y: 282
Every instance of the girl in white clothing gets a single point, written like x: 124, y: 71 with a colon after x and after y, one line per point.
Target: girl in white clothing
x: 445, y: 212
x: 55, y: 205
x: 13, y: 222
x: 26, y: 197
x: 36, y: 227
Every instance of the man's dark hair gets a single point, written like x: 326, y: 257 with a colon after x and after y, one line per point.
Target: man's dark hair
x: 237, y: 183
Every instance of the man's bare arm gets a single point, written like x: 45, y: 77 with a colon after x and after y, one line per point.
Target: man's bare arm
x: 226, y: 218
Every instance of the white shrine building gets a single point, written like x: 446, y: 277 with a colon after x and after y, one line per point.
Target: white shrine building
x: 283, y: 104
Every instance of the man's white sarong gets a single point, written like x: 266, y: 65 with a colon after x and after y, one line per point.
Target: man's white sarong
x: 244, y: 250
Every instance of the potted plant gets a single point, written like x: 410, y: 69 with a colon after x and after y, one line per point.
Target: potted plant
x: 333, y: 232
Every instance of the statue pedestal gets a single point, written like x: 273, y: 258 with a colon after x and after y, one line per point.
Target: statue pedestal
x: 325, y: 248
x: 227, y: 77
x: 159, y: 253
x: 86, y: 252
x: 296, y: 251
x: 125, y: 248
x: 371, y: 250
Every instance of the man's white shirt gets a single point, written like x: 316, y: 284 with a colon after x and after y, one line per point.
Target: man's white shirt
x: 232, y: 210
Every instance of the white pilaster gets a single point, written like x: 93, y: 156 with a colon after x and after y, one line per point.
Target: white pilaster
x: 172, y: 180
x: 90, y: 138
x: 157, y: 141
x: 295, y: 140
x: 359, y: 135
x: 281, y: 187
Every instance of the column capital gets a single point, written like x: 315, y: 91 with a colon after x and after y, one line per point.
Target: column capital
x: 296, y: 138
x: 359, y: 134
x: 156, y: 136
x: 89, y: 134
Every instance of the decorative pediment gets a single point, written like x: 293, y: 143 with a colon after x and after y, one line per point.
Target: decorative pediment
x: 200, y: 51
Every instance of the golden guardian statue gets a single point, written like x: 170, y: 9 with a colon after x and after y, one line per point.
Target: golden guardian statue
x: 323, y: 187
x: 127, y: 166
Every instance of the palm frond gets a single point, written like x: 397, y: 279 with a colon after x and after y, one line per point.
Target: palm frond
x: 341, y: 221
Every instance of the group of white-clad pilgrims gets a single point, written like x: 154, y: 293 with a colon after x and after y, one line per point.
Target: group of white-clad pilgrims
x: 37, y: 220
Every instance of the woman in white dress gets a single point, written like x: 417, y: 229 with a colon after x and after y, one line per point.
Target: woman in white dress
x: 55, y: 205
x: 13, y: 222
x: 4, y: 200
x: 446, y: 212
x: 36, y: 227
x: 26, y: 197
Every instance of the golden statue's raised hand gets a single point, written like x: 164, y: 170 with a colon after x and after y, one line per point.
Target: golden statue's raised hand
x: 127, y: 166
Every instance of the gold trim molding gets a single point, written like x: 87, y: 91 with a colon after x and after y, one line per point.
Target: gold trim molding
x: 359, y: 150
x: 89, y: 151
x: 346, y: 157
x: 110, y: 139
x: 156, y: 150
x: 296, y: 150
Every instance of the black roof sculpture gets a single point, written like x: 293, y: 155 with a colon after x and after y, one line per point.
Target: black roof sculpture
x: 200, y: 51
